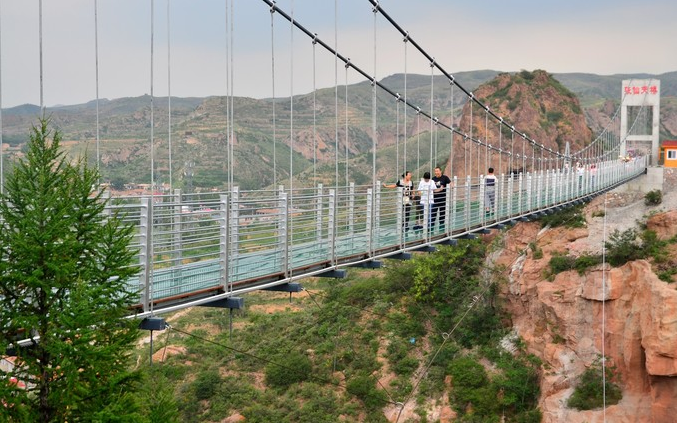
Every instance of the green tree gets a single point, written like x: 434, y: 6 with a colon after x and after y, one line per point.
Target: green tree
x: 64, y: 271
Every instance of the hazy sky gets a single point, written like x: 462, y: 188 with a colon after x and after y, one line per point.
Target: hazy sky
x: 594, y: 36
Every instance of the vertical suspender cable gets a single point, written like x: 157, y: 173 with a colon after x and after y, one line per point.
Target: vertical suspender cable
x: 291, y: 105
x: 500, y: 148
x: 604, y: 313
x: 42, y: 102
x: 314, y: 115
x: 406, y: 132
x: 96, y: 71
x: 152, y: 121
x: 397, y: 136
x: 290, y: 239
x: 169, y: 96
x: 336, y: 142
x: 272, y: 65
x: 347, y: 134
x: 450, y: 171
x: 227, y: 96
x: 2, y: 151
x: 486, y: 139
x: 512, y: 149
x: 232, y: 95
x: 373, y: 111
x: 432, y: 80
x: 471, y: 141
x: 418, y: 141
x: 152, y: 152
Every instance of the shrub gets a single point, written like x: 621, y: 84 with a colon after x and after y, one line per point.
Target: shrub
x: 297, y: 368
x: 653, y: 198
x: 589, y: 394
x: 560, y: 264
x: 364, y: 388
x: 584, y: 262
x: 205, y: 384
x: 538, y: 252
x: 622, y: 247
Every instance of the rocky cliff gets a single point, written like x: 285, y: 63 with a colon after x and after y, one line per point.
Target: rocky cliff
x: 627, y: 314
x: 536, y: 103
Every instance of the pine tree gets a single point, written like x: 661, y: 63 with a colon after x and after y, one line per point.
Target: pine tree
x: 64, y: 272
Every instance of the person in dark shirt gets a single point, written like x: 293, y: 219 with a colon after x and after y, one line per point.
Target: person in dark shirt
x: 489, y: 191
x: 439, y: 207
x: 407, y: 195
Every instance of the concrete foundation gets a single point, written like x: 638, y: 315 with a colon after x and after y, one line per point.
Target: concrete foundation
x: 652, y: 180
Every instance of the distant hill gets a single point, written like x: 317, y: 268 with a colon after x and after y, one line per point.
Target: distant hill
x: 199, y: 130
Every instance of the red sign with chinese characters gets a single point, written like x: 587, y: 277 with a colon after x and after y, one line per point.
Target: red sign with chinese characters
x: 644, y: 89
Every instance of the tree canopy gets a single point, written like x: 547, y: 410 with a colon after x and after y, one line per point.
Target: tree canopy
x: 65, y: 267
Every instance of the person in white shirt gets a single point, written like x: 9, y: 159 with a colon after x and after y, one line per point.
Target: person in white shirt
x: 580, y: 170
x: 426, y: 188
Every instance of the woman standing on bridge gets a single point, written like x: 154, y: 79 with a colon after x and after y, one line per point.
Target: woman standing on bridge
x: 407, y: 198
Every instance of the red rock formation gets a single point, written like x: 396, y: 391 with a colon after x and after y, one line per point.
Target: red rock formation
x: 567, y: 324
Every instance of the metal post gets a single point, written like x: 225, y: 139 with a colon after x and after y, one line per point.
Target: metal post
x: 466, y: 207
x: 399, y: 205
x: 223, y: 243
x: 284, y: 232
x: 351, y: 209
x: 377, y: 211
x: 145, y: 250
x: 318, y: 216
x: 234, y: 229
x: 530, y: 182
x: 511, y: 194
x: 546, y: 186
x: 370, y: 223
x: 331, y: 226
x: 178, y: 228
x: 500, y: 199
x: 520, y: 193
x: 483, y: 214
x: 449, y: 210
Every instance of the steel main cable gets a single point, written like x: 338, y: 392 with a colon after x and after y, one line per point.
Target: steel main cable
x: 378, y: 8
x: 370, y: 78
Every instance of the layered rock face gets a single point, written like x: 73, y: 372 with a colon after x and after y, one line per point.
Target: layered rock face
x: 626, y: 314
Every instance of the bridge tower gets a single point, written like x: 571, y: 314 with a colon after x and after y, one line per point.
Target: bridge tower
x: 640, y: 103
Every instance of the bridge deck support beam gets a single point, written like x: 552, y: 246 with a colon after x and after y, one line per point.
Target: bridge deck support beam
x: 230, y: 303
x: 290, y: 287
x: 152, y: 323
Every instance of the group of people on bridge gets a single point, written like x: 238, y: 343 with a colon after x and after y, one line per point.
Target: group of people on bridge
x: 431, y: 195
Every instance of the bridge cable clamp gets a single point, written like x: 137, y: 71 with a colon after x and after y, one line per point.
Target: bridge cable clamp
x: 406, y: 37
x: 315, y: 38
x: 348, y: 63
x: 273, y: 8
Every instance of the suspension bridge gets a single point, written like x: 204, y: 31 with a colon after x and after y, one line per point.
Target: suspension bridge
x: 210, y: 248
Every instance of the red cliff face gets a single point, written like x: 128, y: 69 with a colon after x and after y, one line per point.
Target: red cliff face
x: 566, y: 323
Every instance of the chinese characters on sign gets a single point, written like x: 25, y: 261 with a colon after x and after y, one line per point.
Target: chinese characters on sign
x: 641, y: 90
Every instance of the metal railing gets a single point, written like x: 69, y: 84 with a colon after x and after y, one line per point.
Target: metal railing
x: 195, y: 246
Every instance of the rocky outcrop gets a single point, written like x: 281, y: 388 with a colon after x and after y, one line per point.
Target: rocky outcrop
x: 537, y: 104
x: 626, y: 314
